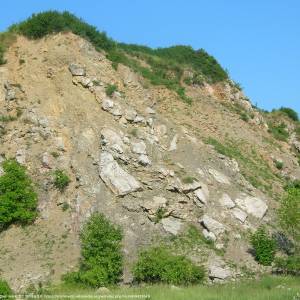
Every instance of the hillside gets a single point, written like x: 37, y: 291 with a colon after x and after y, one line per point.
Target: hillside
x: 161, y: 141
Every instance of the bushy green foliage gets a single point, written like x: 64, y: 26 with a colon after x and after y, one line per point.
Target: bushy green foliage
x: 279, y: 164
x: 279, y: 131
x: 18, y: 201
x: 289, y: 265
x: 42, y: 24
x: 110, y: 89
x: 102, y: 259
x: 159, y: 265
x: 264, y: 246
x: 289, y: 212
x: 293, y: 115
x: 5, y: 290
x: 61, y: 180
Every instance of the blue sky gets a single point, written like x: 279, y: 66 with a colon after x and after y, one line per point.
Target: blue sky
x: 258, y: 41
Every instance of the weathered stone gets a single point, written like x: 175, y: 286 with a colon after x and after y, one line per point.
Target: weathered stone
x: 153, y: 205
x: 190, y: 187
x: 216, y: 271
x: 130, y: 115
x: 76, y: 70
x: 239, y: 214
x: 138, y: 147
x: 253, y: 206
x: 59, y: 143
x: 116, y: 110
x: 226, y: 201
x: 160, y: 130
x: 107, y: 104
x: 118, y: 180
x: 173, y: 144
x: 21, y: 156
x: 47, y: 160
x: 209, y: 235
x: 212, y: 225
x: 112, y: 139
x: 171, y: 225
x: 219, y: 177
x: 150, y: 111
x: 139, y: 119
x: 202, y: 194
x: 144, y: 160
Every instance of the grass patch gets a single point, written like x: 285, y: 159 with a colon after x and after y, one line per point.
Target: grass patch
x: 266, y: 288
x: 253, y: 167
x: 279, y: 131
x: 110, y: 89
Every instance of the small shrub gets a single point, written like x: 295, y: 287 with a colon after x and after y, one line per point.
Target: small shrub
x: 289, y: 265
x: 110, y: 89
x: 5, y: 290
x: 102, y: 259
x: 264, y: 246
x: 188, y: 179
x: 21, y: 61
x: 65, y: 206
x: 290, y: 113
x: 55, y: 154
x: 244, y: 117
x: 61, y: 180
x: 159, y: 214
x: 158, y: 265
x: 279, y: 164
x: 289, y: 212
x: 7, y: 118
x: 18, y: 201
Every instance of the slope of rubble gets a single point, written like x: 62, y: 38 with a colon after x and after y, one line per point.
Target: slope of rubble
x: 142, y: 157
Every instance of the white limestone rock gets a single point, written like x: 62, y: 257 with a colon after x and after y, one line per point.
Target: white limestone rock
x: 253, y: 206
x: 118, y: 180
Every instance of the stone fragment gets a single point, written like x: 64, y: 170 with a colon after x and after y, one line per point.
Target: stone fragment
x: 253, y: 206
x: 118, y: 180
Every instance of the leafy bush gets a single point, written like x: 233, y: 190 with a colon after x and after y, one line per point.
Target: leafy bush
x: 264, y: 246
x: 5, y: 290
x: 290, y: 113
x: 42, y: 24
x: 289, y: 212
x: 102, y: 259
x: 110, y: 89
x: 18, y: 201
x: 279, y: 164
x: 158, y: 265
x: 2, y: 51
x: 289, y: 265
x: 61, y: 180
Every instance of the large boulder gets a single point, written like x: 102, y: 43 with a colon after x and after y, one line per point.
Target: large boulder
x: 112, y: 139
x: 253, y: 206
x: 212, y: 225
x: 239, y: 214
x: 118, y: 180
x: 218, y: 272
x: 138, y: 147
x: 76, y: 70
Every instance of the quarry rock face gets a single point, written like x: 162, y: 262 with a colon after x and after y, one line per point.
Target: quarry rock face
x: 149, y: 162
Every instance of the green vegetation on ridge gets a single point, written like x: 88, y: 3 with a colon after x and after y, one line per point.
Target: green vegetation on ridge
x: 166, y: 65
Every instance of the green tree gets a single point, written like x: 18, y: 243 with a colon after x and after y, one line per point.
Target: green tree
x: 5, y: 290
x: 102, y: 259
x: 18, y: 201
x: 264, y: 246
x: 289, y: 212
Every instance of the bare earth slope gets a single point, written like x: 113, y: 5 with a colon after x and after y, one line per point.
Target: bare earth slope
x: 131, y: 156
